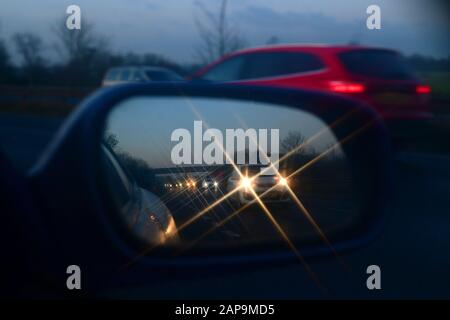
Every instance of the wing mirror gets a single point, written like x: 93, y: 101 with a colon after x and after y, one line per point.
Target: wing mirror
x: 176, y: 175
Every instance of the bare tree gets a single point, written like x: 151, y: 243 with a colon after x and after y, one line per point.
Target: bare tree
x: 75, y: 44
x: 292, y: 141
x: 6, y: 68
x: 85, y: 53
x: 29, y: 46
x: 5, y: 65
x: 217, y: 36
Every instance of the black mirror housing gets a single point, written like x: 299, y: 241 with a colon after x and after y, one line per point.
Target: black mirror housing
x: 78, y: 216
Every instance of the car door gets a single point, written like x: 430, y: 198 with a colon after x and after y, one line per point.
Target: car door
x: 132, y: 201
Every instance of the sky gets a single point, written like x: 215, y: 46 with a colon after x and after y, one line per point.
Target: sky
x: 151, y: 140
x: 168, y: 27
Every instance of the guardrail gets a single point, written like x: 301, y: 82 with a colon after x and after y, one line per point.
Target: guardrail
x: 42, y: 100
x: 62, y: 100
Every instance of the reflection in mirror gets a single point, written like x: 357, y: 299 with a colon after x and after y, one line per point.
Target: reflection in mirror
x: 208, y: 172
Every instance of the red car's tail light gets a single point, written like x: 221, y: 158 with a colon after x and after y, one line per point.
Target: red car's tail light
x: 346, y: 87
x: 423, y: 89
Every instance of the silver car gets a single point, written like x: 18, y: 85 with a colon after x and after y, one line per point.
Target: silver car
x: 138, y: 74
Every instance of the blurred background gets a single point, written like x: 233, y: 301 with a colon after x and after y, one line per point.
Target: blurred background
x: 46, y: 69
x: 37, y: 50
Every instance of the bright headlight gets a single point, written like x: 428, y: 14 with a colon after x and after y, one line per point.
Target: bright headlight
x: 283, y: 181
x: 246, y: 182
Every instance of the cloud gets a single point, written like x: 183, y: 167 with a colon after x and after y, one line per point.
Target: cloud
x: 259, y: 23
x: 167, y: 27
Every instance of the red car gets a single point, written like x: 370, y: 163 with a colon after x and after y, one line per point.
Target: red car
x: 379, y: 77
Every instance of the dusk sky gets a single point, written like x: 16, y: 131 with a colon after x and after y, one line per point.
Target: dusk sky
x: 168, y: 27
x: 151, y: 140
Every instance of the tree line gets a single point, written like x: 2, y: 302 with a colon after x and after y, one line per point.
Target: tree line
x: 85, y: 55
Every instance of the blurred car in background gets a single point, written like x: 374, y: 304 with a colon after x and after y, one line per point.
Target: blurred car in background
x: 379, y: 77
x: 139, y: 74
x: 209, y: 183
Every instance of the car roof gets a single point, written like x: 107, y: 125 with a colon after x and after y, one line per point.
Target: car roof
x: 316, y: 47
x: 146, y: 68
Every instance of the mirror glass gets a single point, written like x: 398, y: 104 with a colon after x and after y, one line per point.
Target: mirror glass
x: 196, y: 172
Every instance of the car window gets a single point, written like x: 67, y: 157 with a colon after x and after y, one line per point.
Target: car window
x: 137, y: 76
x: 156, y: 75
x: 228, y: 70
x: 112, y: 74
x: 384, y: 64
x: 125, y: 74
x: 272, y: 64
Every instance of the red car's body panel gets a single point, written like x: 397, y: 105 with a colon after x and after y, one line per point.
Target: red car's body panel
x: 392, y: 98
